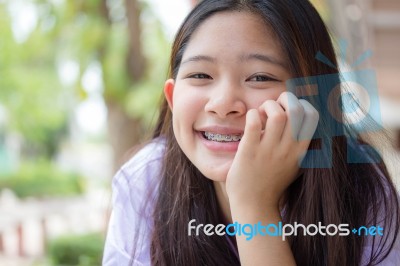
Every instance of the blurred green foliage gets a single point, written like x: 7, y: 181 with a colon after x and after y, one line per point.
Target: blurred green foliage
x: 39, y: 106
x: 30, y: 89
x: 89, y: 36
x: 42, y: 179
x: 79, y: 250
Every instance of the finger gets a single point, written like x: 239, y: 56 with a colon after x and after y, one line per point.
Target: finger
x: 252, y: 131
x: 295, y: 114
x: 310, y: 122
x: 275, y: 121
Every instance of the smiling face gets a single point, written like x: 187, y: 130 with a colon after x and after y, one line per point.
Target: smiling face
x: 233, y: 63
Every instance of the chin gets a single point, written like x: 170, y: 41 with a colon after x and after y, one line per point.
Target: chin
x: 217, y: 176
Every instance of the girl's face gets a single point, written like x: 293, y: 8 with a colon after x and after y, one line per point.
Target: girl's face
x: 233, y: 63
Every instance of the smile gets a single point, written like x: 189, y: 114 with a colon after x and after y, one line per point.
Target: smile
x: 222, y: 137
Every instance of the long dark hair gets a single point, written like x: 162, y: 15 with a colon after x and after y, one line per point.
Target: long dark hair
x: 356, y: 194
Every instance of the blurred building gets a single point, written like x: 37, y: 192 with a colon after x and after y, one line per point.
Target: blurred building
x: 373, y: 25
x: 383, y: 24
x: 383, y: 21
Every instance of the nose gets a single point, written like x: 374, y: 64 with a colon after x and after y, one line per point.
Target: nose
x: 226, y: 99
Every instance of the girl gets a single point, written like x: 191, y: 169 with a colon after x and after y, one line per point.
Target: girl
x: 228, y: 145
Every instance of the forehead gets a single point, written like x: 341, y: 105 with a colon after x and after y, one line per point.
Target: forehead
x: 233, y: 32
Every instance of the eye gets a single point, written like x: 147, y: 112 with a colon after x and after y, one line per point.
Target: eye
x: 199, y: 76
x: 261, y: 78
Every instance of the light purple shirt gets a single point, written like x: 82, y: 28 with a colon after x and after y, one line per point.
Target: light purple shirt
x: 134, y: 193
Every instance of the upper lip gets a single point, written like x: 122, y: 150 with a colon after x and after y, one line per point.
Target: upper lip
x: 221, y: 130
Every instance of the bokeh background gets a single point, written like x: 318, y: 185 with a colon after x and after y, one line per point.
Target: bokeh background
x: 80, y: 82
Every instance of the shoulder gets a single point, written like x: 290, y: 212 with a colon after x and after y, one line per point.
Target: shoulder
x: 374, y: 248
x: 147, y: 158
x: 386, y: 215
x: 142, y: 171
x: 134, y: 191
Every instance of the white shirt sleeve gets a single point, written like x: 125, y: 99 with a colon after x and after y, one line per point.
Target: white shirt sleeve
x: 130, y: 225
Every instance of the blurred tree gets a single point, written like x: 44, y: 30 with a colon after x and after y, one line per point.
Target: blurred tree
x: 112, y: 34
x: 30, y: 90
x: 123, y: 37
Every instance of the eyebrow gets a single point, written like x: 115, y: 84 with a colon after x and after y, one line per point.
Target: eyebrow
x: 199, y: 58
x: 243, y: 58
x: 262, y: 57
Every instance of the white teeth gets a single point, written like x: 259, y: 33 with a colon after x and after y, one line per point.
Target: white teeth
x: 222, y: 137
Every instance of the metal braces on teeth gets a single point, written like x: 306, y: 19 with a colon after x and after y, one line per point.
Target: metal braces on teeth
x: 222, y: 137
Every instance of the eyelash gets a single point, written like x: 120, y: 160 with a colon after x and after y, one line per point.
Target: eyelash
x: 264, y: 78
x: 200, y: 76
x: 259, y: 78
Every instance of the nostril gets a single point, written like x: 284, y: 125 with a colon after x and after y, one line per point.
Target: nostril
x: 226, y: 106
x: 233, y: 112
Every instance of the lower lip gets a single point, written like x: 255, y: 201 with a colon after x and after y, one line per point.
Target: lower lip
x: 216, y: 146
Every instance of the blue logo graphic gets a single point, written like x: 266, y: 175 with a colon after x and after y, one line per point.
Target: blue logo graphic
x: 353, y: 95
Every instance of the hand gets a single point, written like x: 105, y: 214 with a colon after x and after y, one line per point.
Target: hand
x: 267, y: 161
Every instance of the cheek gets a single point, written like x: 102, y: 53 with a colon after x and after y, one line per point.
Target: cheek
x: 256, y: 98
x: 188, y: 100
x: 186, y: 109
